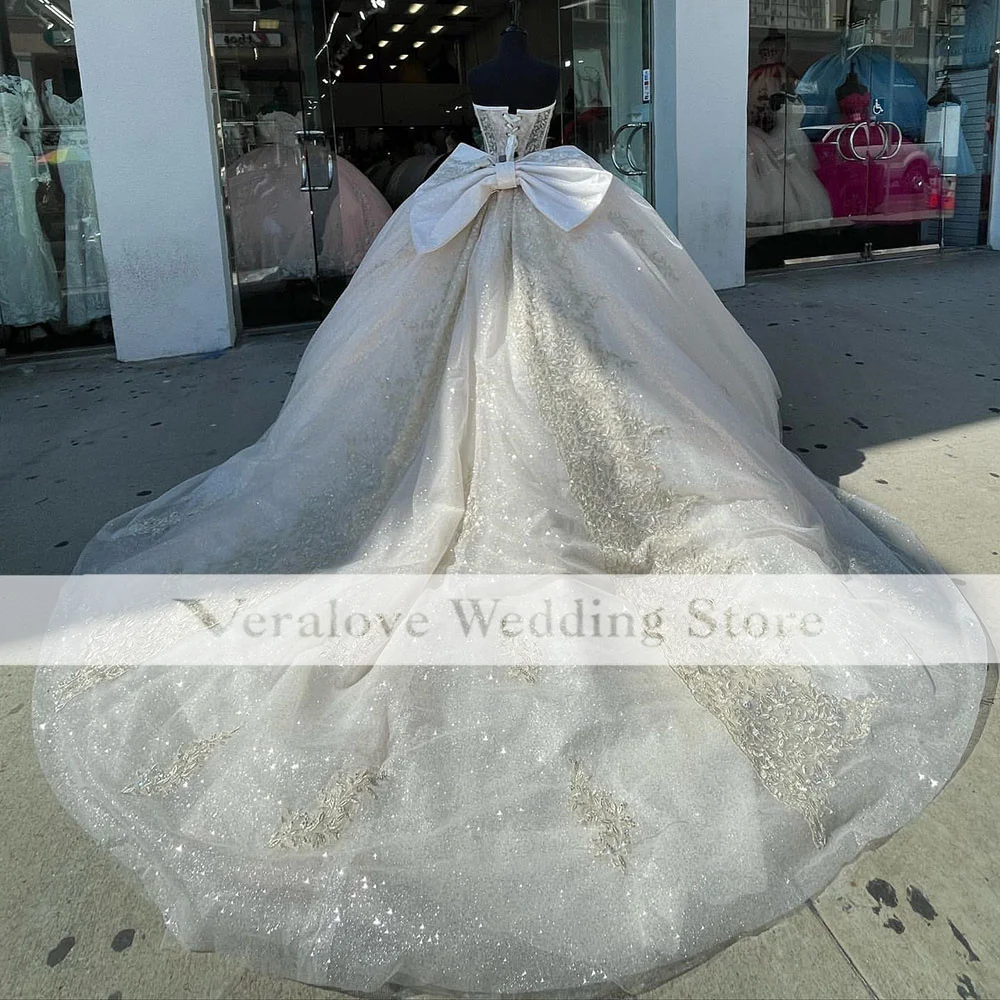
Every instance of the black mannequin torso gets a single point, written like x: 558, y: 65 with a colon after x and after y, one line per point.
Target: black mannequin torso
x: 513, y: 78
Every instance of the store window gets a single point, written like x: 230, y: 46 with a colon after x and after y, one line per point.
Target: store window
x: 868, y: 126
x: 330, y: 115
x: 53, y: 282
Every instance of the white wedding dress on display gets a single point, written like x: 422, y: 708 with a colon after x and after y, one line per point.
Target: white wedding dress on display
x: 29, y: 286
x: 527, y: 375
x: 86, y: 275
x: 783, y: 192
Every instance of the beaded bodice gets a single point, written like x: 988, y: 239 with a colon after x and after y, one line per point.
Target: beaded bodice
x: 507, y: 135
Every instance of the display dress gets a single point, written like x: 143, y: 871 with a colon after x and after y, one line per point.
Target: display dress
x: 29, y: 287
x: 86, y: 277
x: 782, y: 187
x: 528, y: 375
x: 273, y: 218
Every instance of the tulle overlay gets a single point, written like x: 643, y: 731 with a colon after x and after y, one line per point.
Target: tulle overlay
x: 521, y: 400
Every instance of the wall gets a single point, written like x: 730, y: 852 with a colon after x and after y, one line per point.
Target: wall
x: 699, y: 121
x: 144, y: 70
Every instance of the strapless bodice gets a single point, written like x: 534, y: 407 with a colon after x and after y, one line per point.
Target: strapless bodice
x: 507, y: 135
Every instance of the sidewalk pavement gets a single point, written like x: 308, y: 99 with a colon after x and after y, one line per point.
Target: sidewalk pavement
x: 891, y: 375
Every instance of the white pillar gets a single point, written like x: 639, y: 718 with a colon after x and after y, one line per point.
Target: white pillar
x: 145, y: 75
x: 700, y: 63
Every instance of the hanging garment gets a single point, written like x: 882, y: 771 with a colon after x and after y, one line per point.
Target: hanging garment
x: 86, y: 278
x: 29, y: 286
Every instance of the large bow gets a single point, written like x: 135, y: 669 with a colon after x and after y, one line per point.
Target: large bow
x: 564, y: 184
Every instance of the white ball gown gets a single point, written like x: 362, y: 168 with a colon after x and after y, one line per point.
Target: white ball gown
x: 273, y: 218
x: 527, y: 375
x: 783, y: 192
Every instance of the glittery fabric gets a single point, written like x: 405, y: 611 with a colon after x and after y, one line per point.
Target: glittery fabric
x: 521, y: 400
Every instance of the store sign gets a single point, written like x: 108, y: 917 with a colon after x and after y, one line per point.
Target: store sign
x: 249, y: 39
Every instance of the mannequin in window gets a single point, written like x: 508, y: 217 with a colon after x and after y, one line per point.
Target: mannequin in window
x: 771, y: 76
x: 86, y: 278
x: 854, y: 99
x: 514, y: 78
x: 782, y: 188
x: 29, y: 288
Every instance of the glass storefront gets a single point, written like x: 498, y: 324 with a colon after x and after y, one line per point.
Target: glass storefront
x: 53, y: 283
x: 608, y: 93
x: 332, y: 114
x: 868, y: 127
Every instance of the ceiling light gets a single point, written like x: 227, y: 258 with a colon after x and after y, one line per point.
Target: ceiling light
x: 397, y: 27
x: 416, y: 8
x: 383, y: 43
x: 459, y: 9
x: 363, y: 67
x: 418, y: 45
x: 405, y: 55
x: 435, y: 28
x: 371, y: 55
x: 392, y: 65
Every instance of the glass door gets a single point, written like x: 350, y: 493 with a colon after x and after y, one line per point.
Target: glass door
x: 277, y: 150
x: 606, y: 46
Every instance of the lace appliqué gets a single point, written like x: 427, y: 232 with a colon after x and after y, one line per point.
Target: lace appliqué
x: 606, y: 445
x: 86, y: 678
x: 527, y: 672
x: 162, y: 781
x: 538, y: 134
x: 337, y: 807
x: 609, y: 818
x: 791, y: 732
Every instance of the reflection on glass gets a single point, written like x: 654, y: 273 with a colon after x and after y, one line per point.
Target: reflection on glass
x: 272, y: 214
x: 301, y: 217
x: 607, y: 100
x: 53, y: 282
x: 892, y: 127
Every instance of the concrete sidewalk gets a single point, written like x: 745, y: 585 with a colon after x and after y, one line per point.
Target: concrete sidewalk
x: 891, y: 376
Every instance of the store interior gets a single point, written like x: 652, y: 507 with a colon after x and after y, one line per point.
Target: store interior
x: 329, y: 114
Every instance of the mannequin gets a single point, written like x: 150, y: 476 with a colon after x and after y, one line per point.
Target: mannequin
x: 513, y: 77
x: 29, y: 287
x: 86, y: 278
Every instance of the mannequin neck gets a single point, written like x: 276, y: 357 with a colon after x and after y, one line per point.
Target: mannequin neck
x: 513, y: 42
